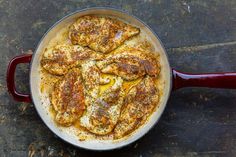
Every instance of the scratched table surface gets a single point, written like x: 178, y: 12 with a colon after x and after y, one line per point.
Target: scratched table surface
x: 199, y: 36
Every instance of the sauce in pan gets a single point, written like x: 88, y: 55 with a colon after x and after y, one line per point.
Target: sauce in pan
x: 101, y: 76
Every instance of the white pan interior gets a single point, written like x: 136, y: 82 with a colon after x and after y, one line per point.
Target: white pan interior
x: 43, y: 108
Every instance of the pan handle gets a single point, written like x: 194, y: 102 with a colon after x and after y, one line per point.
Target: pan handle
x: 211, y: 80
x: 24, y: 58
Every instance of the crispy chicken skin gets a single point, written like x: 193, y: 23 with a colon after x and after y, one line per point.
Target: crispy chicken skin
x: 103, y: 112
x: 139, y: 102
x: 102, y: 34
x: 68, y: 99
x: 61, y: 58
x: 130, y: 63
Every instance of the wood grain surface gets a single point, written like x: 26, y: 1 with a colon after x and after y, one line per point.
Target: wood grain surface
x: 199, y: 36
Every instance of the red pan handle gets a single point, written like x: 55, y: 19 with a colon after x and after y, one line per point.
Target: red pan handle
x: 24, y: 58
x: 212, y: 80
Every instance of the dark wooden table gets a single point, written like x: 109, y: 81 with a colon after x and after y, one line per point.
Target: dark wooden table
x: 199, y: 35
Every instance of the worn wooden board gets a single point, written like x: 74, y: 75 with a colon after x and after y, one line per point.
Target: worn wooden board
x: 199, y: 35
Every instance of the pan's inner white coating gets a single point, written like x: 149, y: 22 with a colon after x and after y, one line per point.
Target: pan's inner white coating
x: 77, y: 135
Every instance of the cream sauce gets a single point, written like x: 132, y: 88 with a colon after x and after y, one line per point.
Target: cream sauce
x: 48, y: 80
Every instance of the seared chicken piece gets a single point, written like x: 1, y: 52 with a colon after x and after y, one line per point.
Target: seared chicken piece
x: 91, y: 78
x: 61, y: 58
x: 138, y: 104
x: 103, y: 112
x: 130, y: 64
x: 102, y: 34
x: 68, y: 99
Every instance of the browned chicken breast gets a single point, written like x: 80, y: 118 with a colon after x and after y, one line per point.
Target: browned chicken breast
x: 138, y: 104
x: 68, y: 99
x: 102, y: 79
x: 130, y: 64
x: 61, y: 58
x: 101, y: 34
x: 103, y: 112
x: 91, y: 78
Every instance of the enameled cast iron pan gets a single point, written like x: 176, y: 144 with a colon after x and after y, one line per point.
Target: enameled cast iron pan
x: 172, y: 79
